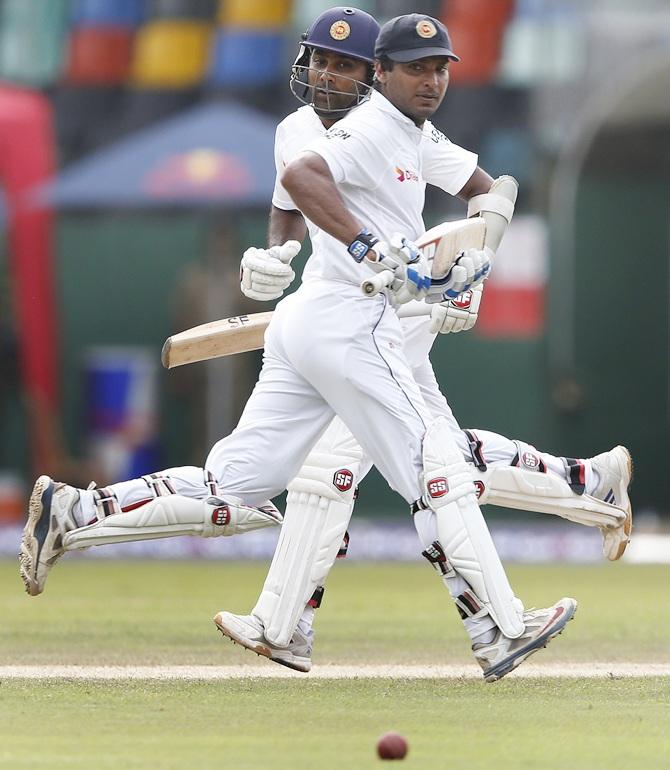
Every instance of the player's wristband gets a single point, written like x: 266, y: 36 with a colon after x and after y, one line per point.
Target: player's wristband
x: 361, y: 244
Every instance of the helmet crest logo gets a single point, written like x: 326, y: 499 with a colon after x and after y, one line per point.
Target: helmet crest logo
x: 426, y: 28
x: 340, y: 30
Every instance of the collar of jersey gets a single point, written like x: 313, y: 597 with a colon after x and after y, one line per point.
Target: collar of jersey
x: 384, y: 105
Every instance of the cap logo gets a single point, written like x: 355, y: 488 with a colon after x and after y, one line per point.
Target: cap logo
x: 426, y: 28
x: 340, y: 30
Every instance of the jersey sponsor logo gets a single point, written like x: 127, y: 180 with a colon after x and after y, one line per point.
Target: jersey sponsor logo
x: 406, y: 175
x: 340, y: 30
x: 343, y: 479
x: 221, y: 516
x: 337, y: 133
x: 463, y: 301
x: 437, y: 136
x: 479, y: 488
x: 426, y: 28
x: 438, y: 487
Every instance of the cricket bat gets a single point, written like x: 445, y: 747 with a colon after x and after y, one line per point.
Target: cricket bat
x: 237, y: 334
x: 441, y: 244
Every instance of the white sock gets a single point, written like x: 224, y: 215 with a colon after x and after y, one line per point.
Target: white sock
x: 306, y: 620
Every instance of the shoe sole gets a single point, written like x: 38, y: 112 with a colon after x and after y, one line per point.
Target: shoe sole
x: 509, y: 664
x: 259, y: 648
x: 627, y: 524
x: 34, y: 534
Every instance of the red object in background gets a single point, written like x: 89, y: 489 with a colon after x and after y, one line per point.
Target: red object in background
x: 512, y: 313
x: 476, y: 28
x: 99, y: 56
x: 27, y: 159
x: 479, y: 50
x: 484, y: 13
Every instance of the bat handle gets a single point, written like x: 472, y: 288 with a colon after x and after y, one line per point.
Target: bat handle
x: 378, y: 283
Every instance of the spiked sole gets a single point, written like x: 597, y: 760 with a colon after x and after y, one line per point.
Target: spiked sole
x: 627, y: 526
x: 259, y: 648
x: 498, y: 671
x: 30, y: 544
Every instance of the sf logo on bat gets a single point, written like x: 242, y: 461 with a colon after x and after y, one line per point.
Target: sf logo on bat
x: 238, y: 321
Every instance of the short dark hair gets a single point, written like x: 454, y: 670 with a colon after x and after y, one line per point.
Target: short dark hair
x: 385, y: 63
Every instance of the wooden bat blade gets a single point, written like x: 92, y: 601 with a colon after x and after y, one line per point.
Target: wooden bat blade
x: 225, y: 337
x: 444, y: 242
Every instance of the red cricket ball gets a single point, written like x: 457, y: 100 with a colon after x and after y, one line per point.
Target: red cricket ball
x: 392, y: 746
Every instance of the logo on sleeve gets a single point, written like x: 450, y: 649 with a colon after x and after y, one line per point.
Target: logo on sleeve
x: 337, y: 133
x: 437, y: 136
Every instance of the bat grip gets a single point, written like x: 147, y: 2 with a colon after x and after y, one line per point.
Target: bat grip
x: 378, y: 283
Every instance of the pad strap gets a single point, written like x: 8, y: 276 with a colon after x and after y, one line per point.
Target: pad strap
x: 462, y: 531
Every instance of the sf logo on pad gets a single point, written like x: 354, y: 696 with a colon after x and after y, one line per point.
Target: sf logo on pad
x: 343, y: 479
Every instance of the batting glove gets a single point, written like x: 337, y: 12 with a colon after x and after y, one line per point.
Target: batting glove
x: 470, y: 269
x: 456, y: 315
x: 266, y: 273
x: 410, y: 269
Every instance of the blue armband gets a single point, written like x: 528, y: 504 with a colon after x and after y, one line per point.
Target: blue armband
x: 361, y: 244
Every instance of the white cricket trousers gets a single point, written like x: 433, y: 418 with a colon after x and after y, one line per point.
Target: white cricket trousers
x: 328, y: 350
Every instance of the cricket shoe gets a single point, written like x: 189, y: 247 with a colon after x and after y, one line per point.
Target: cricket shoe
x: 248, y: 631
x: 503, y: 654
x: 49, y: 518
x: 615, y: 469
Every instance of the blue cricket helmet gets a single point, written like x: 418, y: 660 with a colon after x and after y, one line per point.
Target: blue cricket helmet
x: 348, y: 31
x: 343, y: 30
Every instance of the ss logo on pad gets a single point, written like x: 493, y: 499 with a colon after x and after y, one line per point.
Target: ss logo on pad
x: 438, y: 487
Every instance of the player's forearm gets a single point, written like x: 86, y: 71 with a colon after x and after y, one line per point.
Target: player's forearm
x: 479, y: 183
x: 285, y: 226
x: 311, y: 186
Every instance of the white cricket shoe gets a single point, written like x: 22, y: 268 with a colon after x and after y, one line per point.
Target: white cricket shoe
x: 615, y: 469
x: 49, y: 518
x: 503, y: 654
x: 248, y: 631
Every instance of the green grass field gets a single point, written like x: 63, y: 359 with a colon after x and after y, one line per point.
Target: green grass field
x: 151, y: 613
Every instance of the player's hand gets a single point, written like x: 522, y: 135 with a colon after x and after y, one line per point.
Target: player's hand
x: 456, y: 315
x: 470, y: 269
x: 411, y: 270
x: 266, y: 273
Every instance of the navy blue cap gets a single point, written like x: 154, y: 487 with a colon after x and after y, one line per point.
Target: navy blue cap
x: 344, y: 30
x: 413, y: 36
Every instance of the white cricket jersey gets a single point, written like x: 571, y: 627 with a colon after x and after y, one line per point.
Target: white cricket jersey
x: 377, y: 149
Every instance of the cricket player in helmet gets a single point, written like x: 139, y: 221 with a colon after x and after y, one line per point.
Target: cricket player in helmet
x: 345, y: 39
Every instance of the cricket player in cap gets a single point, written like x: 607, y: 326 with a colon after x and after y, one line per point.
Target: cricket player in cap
x: 332, y: 74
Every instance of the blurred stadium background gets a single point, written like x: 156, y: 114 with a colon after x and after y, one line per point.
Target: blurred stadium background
x: 136, y: 165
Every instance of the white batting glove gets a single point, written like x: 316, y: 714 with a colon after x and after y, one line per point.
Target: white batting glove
x: 469, y: 270
x: 266, y: 273
x: 410, y: 268
x: 456, y: 315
